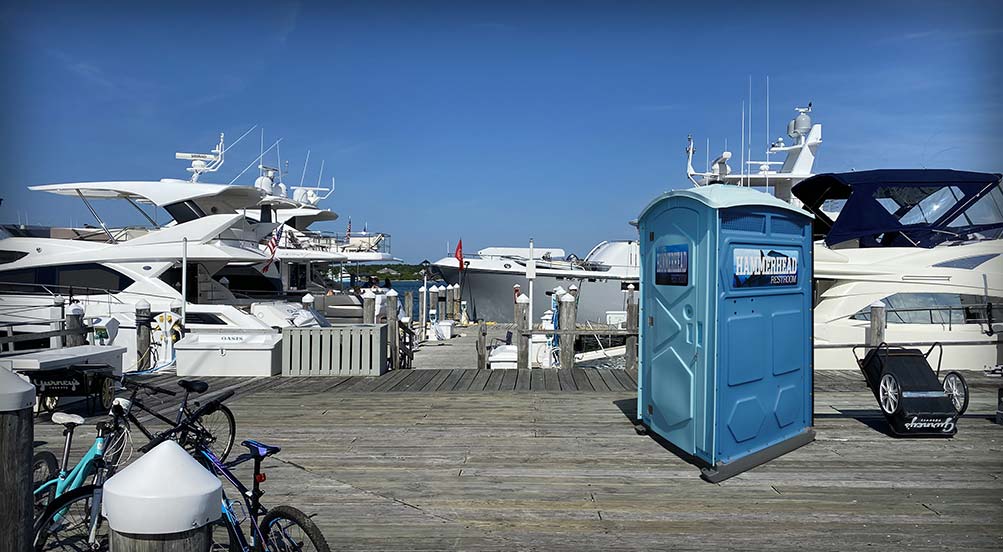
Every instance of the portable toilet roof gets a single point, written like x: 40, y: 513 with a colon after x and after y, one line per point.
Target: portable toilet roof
x: 722, y: 196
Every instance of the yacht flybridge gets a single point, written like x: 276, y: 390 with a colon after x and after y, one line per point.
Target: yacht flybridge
x: 926, y: 243
x: 796, y: 166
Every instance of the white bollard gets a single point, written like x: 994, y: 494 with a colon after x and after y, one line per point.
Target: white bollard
x: 164, y: 501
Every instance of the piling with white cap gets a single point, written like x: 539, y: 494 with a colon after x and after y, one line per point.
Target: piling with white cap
x: 17, y: 434
x: 144, y: 318
x: 447, y: 313
x: 368, y: 307
x: 567, y: 317
x: 393, y: 333
x: 521, y: 327
x: 75, y: 324
x: 164, y: 501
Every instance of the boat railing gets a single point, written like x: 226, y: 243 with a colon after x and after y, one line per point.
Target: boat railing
x: 377, y: 242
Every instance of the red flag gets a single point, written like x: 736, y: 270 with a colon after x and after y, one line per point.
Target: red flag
x: 459, y: 253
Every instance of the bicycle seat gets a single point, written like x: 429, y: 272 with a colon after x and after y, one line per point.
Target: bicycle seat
x: 69, y: 420
x: 259, y: 450
x: 194, y: 386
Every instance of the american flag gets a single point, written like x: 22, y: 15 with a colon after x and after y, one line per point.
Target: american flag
x: 273, y: 245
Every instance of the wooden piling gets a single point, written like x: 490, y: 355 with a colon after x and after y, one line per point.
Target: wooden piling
x: 630, y: 356
x: 441, y: 304
x: 75, y: 323
x: 143, y: 320
x: 522, y: 326
x: 17, y: 433
x: 567, y: 319
x: 447, y: 312
x: 409, y: 306
x: 876, y: 329
x: 393, y: 333
x: 482, y: 346
x: 368, y: 307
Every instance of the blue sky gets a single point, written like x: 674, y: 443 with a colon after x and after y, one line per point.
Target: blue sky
x: 490, y: 121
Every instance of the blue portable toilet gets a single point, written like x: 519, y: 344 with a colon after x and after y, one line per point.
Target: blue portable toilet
x: 725, y: 346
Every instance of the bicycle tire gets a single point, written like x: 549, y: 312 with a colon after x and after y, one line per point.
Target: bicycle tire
x: 274, y: 531
x: 44, y: 468
x: 222, y: 427
x: 73, y: 530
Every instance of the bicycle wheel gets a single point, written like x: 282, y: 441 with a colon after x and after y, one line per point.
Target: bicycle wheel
x: 287, y: 529
x: 44, y: 468
x: 219, y: 428
x: 67, y: 521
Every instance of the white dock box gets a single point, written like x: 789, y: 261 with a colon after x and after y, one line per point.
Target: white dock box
x: 229, y: 354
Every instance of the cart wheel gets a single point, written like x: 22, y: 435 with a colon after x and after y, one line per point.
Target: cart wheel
x: 889, y: 394
x: 956, y: 389
x: 107, y: 394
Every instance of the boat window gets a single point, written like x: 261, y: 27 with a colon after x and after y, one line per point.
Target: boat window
x: 936, y: 308
x: 968, y: 262
x: 11, y: 256
x: 86, y: 276
x: 203, y: 318
x: 918, y: 205
x: 987, y: 210
x: 184, y: 211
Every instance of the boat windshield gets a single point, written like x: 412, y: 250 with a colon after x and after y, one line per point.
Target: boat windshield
x: 910, y: 208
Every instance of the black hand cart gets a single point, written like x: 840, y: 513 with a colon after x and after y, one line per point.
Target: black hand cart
x: 912, y: 397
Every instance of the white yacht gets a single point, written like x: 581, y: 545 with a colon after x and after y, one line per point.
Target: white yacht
x: 611, y: 266
x: 927, y: 244
x: 488, y: 278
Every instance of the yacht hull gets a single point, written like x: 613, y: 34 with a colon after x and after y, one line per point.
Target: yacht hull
x: 489, y: 294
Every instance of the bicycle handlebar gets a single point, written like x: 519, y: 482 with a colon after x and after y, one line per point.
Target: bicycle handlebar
x: 207, y: 408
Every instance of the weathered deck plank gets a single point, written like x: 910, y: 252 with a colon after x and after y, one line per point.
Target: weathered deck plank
x: 457, y: 468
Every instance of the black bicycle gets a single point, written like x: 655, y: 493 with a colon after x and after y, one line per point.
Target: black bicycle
x: 219, y: 427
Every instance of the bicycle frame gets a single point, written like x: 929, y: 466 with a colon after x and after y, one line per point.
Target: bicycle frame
x: 251, y: 498
x: 75, y: 478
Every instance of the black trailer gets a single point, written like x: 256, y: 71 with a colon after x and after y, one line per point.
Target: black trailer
x: 912, y: 397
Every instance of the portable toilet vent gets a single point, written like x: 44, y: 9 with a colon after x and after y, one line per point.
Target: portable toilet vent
x: 725, y: 333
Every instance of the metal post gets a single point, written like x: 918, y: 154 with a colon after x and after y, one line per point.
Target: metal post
x: 143, y: 320
x: 521, y: 327
x: 184, y: 281
x: 166, y: 480
x: 368, y: 307
x: 17, y: 434
x: 567, y: 318
x: 423, y: 310
x: 632, y: 322
x: 876, y: 330
x: 392, y: 331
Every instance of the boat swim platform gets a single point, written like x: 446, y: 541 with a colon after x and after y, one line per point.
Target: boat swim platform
x: 444, y: 460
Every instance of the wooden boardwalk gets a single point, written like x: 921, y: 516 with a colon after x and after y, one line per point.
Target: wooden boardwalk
x: 467, y: 460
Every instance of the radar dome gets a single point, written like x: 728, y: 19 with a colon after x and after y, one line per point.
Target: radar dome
x: 264, y: 183
x: 802, y: 124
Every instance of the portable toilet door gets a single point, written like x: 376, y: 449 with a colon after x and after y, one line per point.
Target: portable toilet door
x: 674, y: 391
